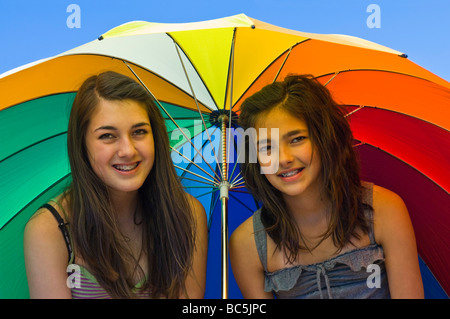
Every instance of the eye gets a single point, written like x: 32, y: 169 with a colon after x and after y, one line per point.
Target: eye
x: 298, y: 139
x: 140, y: 132
x: 106, y: 136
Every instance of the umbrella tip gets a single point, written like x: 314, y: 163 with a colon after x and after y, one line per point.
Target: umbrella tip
x: 403, y: 55
x: 100, y: 38
x: 216, y: 117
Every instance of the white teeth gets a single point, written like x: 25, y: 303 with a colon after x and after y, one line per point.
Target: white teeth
x: 126, y: 168
x: 291, y: 173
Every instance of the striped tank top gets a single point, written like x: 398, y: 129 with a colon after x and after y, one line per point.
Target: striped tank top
x: 82, y: 283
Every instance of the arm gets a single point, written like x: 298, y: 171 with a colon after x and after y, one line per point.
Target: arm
x: 394, y: 232
x: 45, y: 257
x: 196, y: 280
x: 247, y: 268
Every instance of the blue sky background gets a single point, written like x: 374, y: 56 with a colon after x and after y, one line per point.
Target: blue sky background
x: 31, y: 30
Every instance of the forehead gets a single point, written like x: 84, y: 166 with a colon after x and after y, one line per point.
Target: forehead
x: 281, y: 120
x: 119, y: 111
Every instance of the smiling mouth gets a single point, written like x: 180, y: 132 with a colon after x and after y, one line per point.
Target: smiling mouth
x: 291, y: 172
x: 126, y: 167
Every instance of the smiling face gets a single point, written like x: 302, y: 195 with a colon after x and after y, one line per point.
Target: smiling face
x: 292, y: 165
x: 120, y: 144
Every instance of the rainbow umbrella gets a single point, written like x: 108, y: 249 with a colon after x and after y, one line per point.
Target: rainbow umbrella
x: 200, y: 73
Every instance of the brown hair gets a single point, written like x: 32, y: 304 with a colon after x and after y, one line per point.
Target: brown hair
x: 168, y: 224
x: 305, y: 98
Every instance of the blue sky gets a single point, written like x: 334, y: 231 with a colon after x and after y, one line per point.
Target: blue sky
x: 31, y: 30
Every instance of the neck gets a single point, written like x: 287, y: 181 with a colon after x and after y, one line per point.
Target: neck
x: 309, y: 206
x: 125, y: 205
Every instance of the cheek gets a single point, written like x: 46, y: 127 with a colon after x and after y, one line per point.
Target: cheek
x: 99, y: 155
x: 315, y: 162
x: 147, y: 150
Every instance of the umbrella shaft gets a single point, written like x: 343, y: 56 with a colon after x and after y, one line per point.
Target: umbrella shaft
x: 224, y: 187
x: 224, y: 201
x: 224, y: 122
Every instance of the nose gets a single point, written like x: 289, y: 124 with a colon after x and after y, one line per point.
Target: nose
x: 285, y: 156
x: 126, y: 147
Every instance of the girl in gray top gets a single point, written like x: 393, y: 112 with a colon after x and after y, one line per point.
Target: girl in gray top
x: 321, y: 232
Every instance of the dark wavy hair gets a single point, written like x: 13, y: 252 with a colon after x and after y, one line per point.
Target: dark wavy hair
x: 168, y: 223
x: 305, y: 98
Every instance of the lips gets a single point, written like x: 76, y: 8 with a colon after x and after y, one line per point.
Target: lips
x: 126, y: 167
x: 291, y: 174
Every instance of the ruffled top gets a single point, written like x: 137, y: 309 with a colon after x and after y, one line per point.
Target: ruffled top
x: 359, y: 273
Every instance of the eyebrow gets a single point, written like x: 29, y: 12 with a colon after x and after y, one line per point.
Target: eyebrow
x: 285, y: 136
x: 113, y: 128
x: 292, y: 133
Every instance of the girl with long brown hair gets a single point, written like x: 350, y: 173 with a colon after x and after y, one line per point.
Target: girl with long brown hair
x: 321, y: 232
x: 129, y: 229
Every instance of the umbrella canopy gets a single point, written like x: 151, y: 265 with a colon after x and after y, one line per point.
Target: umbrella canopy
x: 200, y: 73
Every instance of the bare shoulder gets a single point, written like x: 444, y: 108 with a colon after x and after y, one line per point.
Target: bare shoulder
x: 395, y: 233
x: 43, y: 220
x: 385, y: 198
x: 387, y: 204
x: 390, y: 212
x: 242, y: 243
x: 42, y: 228
x: 245, y: 262
x: 197, y: 207
x: 46, y: 256
x: 242, y: 240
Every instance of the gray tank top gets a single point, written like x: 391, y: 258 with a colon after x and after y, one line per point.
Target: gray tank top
x: 357, y: 274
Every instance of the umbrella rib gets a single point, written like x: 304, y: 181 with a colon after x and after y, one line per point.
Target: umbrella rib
x: 267, y: 67
x: 195, y: 186
x: 332, y: 78
x: 231, y: 99
x: 188, y: 171
x: 238, y: 182
x: 198, y: 181
x: 214, y: 179
x: 243, y: 186
x: 238, y: 200
x: 235, y: 165
x: 184, y: 118
x: 186, y: 126
x: 237, y: 175
x: 191, y: 162
x: 167, y: 113
x: 214, y: 190
x: 196, y: 103
x: 282, y: 65
x: 360, y: 144
x: 359, y: 108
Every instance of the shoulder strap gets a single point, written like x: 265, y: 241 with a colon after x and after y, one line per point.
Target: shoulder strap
x: 260, y: 238
x: 62, y: 227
